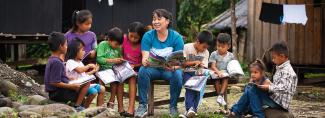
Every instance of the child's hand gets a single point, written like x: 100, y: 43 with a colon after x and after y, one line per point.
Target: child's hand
x: 169, y: 68
x: 263, y: 87
x: 92, y: 66
x: 220, y: 74
x: 198, y: 63
x: 117, y: 60
x: 75, y: 87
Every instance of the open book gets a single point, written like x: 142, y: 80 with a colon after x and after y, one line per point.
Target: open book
x: 192, y: 57
x: 233, y: 70
x: 83, y: 79
x: 118, y: 73
x: 196, y: 83
x: 165, y: 57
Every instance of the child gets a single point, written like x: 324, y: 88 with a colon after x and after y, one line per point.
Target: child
x: 132, y: 54
x: 55, y: 79
x: 109, y: 53
x: 81, y: 23
x: 199, y: 48
x: 219, y: 60
x: 257, y: 71
x: 76, y: 69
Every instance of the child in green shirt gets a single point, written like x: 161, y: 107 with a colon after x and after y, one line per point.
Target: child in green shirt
x: 110, y: 53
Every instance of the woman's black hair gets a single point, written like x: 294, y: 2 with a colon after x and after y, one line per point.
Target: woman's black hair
x: 80, y: 17
x: 259, y: 64
x: 164, y: 13
x: 115, y: 34
x: 138, y: 28
x: 73, y: 48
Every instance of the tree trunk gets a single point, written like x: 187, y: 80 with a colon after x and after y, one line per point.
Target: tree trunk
x: 234, y: 35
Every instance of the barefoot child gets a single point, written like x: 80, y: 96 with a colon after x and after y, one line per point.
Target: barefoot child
x: 257, y: 77
x: 199, y: 48
x: 110, y: 53
x: 219, y: 60
x: 132, y: 54
x: 76, y: 69
x: 81, y: 23
x: 55, y: 79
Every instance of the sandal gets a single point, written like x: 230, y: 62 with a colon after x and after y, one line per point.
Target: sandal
x: 126, y: 114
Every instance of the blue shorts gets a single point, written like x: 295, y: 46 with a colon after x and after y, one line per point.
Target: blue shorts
x: 93, y: 89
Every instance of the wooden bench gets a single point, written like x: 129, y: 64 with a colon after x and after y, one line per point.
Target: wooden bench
x: 152, y: 103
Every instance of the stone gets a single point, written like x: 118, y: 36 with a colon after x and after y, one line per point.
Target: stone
x: 28, y: 84
x: 26, y: 107
x: 277, y: 113
x: 56, y: 109
x: 108, y: 113
x: 7, y: 87
x: 93, y: 111
x: 6, y: 112
x: 32, y: 72
x: 36, y: 100
x: 8, y: 102
x: 16, y: 105
x: 27, y: 114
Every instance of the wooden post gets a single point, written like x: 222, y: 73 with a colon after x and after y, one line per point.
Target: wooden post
x: 234, y: 35
x: 151, y: 99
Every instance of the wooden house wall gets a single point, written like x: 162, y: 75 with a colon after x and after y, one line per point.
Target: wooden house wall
x: 306, y: 43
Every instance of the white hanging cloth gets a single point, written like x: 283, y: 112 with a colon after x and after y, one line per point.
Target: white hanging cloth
x: 294, y: 14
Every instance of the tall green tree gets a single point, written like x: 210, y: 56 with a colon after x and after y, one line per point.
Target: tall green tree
x: 192, y: 14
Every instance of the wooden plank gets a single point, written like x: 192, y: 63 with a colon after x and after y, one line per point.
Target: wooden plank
x: 323, y: 34
x: 283, y: 27
x: 266, y: 35
x: 300, y: 37
x: 151, y: 103
x: 274, y: 29
x: 292, y: 39
x: 309, y: 40
x: 317, y: 33
x: 251, y: 30
x: 258, y: 30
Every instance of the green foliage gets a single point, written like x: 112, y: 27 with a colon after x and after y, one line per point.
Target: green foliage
x: 192, y: 14
x: 16, y: 97
x: 38, y: 51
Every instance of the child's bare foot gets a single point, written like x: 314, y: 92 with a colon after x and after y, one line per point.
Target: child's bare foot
x: 110, y: 105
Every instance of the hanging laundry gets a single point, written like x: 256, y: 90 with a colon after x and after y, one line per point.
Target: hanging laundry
x: 272, y: 13
x: 294, y: 14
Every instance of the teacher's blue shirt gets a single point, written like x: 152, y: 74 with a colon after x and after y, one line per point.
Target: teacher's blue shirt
x: 150, y: 40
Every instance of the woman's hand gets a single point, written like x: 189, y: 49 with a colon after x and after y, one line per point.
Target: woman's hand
x: 145, y: 62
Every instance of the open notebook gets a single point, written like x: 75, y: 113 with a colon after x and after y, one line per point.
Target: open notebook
x: 83, y: 79
x: 118, y: 73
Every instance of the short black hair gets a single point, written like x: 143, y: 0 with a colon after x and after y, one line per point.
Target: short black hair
x: 115, y: 34
x: 280, y: 48
x: 80, y: 17
x: 205, y: 37
x: 73, y: 48
x: 138, y: 28
x: 224, y: 38
x: 164, y: 13
x: 55, y: 40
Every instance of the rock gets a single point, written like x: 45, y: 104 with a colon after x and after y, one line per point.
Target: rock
x: 26, y: 107
x: 32, y: 72
x: 93, y: 111
x: 8, y: 101
x: 16, y: 105
x: 3, y: 102
x: 7, y: 87
x: 59, y: 110
x: 6, y: 112
x: 28, y: 84
x: 235, y: 89
x: 312, y: 96
x: 36, y: 100
x: 277, y: 113
x: 27, y: 114
x: 108, y: 113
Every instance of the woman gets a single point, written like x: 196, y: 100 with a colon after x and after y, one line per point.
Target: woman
x: 162, y: 36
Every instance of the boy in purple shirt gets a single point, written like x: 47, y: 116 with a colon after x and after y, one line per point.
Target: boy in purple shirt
x: 56, y: 81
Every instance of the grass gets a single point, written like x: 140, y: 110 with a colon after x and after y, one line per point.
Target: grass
x: 314, y: 75
x: 200, y: 115
x: 16, y: 97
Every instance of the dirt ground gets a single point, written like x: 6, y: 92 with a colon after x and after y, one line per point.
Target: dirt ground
x: 309, y: 102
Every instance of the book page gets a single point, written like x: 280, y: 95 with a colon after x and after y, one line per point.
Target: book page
x: 83, y: 79
x: 107, y: 76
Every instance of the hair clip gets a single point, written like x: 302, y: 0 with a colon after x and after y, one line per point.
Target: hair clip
x: 77, y: 12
